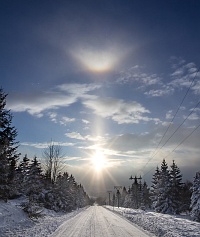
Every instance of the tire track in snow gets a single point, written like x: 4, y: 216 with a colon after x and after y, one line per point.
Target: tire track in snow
x: 99, y: 222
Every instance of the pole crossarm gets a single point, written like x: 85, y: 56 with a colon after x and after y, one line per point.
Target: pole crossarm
x: 135, y: 178
x: 117, y: 187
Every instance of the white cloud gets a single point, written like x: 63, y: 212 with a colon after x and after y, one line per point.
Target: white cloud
x: 75, y: 135
x: 36, y: 103
x: 159, y: 92
x: 193, y: 116
x: 169, y: 115
x: 85, y: 121
x: 45, y: 145
x: 53, y: 117
x: 116, y: 109
x: 65, y: 120
x: 184, y: 75
x: 78, y: 136
x: 196, y: 87
x: 78, y: 89
x: 135, y: 74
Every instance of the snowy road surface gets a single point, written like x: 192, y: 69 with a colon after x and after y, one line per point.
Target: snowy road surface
x: 96, y: 221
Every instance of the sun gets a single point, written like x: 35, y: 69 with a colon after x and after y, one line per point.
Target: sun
x: 99, y: 161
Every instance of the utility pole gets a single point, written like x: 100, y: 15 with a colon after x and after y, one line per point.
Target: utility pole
x: 135, y: 179
x: 136, y: 193
x: 109, y: 192
x: 118, y: 193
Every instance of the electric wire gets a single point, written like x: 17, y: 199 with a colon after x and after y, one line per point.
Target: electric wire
x: 190, y: 134
x: 191, y: 84
x: 157, y: 147
x: 179, y: 127
x: 183, y: 141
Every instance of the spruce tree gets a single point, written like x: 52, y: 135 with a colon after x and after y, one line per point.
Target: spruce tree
x: 34, y: 180
x: 22, y: 174
x: 175, y: 188
x: 128, y: 197
x: 123, y: 196
x: 164, y: 202
x: 155, y: 188
x: 8, y: 150
x: 146, y: 201
x: 186, y: 194
x: 195, y: 199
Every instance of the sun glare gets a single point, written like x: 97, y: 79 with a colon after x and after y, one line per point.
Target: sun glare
x: 99, y: 161
x: 97, y: 60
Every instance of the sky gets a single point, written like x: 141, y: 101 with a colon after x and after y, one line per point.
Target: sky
x: 114, y: 83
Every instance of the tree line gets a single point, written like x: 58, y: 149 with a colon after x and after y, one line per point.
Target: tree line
x: 49, y: 187
x: 43, y: 187
x: 168, y: 194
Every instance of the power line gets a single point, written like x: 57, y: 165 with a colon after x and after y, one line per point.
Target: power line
x: 177, y: 145
x: 155, y: 151
x: 183, y: 140
x: 178, y: 127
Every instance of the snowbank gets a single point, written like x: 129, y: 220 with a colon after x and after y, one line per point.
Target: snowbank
x: 15, y: 222
x: 161, y: 225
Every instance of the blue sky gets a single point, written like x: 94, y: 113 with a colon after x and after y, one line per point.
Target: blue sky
x: 103, y: 79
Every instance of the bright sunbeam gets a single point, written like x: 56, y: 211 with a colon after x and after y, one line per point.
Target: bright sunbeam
x: 99, y: 161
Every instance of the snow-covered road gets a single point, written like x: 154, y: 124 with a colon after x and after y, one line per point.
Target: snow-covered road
x: 96, y: 221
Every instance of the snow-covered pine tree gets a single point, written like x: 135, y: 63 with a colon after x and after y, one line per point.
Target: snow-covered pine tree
x: 24, y: 165
x: 175, y: 188
x: 128, y: 197
x: 83, y: 198
x: 146, y: 201
x: 63, y: 192
x: 195, y: 199
x: 123, y: 196
x: 33, y: 188
x: 34, y: 181
x: 73, y: 191
x: 186, y: 194
x: 8, y: 150
x: 164, y: 202
x: 22, y: 174
x: 155, y: 188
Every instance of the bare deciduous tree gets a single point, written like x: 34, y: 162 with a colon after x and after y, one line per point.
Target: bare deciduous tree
x: 53, y: 161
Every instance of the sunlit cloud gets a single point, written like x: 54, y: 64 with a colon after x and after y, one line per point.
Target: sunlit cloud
x: 85, y: 121
x: 45, y: 144
x: 78, y: 88
x: 138, y: 74
x: 61, y: 96
x: 78, y: 136
x: 193, y: 116
x: 159, y: 92
x: 65, y: 120
x: 97, y: 59
x: 39, y: 102
x: 181, y: 77
x: 118, y: 110
x: 75, y: 135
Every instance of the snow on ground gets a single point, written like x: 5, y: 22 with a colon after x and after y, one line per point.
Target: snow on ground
x: 97, y: 221
x: 161, y: 224
x: 14, y: 222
